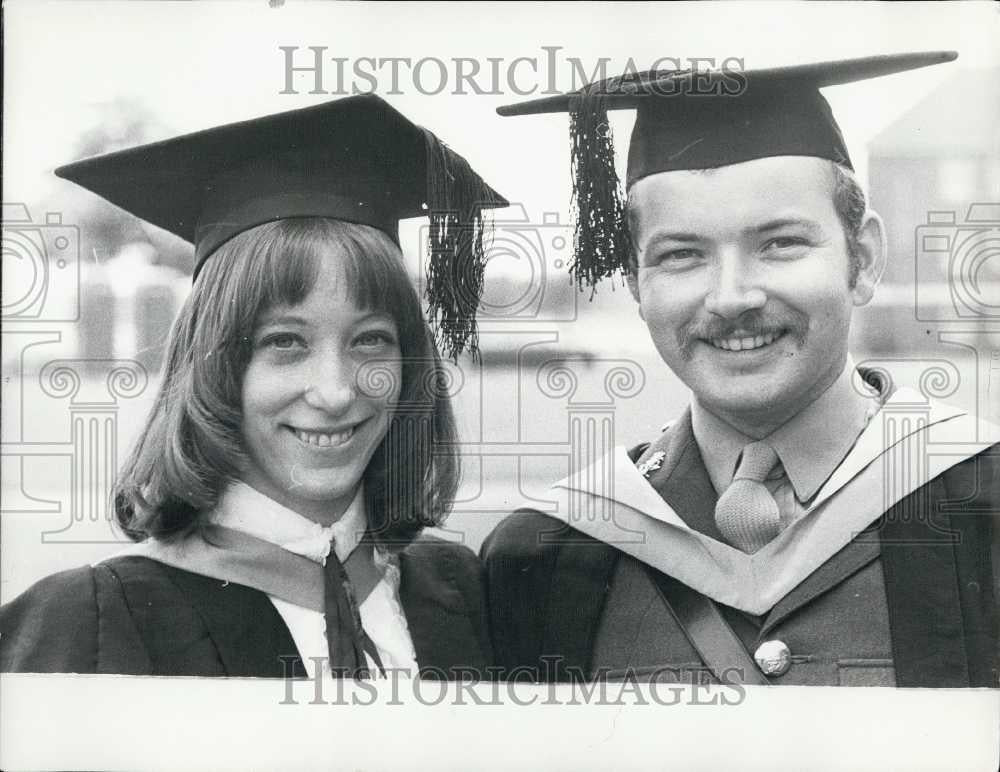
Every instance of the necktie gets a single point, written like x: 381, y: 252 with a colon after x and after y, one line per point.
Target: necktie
x: 746, y: 513
x: 346, y: 639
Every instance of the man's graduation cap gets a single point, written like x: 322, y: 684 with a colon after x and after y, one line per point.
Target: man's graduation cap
x: 355, y: 159
x: 696, y: 119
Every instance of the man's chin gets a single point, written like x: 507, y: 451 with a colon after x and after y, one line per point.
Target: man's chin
x: 753, y: 406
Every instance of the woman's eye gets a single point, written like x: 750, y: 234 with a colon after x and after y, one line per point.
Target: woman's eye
x: 282, y: 341
x: 375, y: 339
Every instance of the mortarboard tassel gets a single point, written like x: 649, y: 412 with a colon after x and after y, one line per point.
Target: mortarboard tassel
x: 601, y: 241
x: 456, y: 196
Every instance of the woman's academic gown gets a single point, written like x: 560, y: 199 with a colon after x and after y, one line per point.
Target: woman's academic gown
x: 134, y: 615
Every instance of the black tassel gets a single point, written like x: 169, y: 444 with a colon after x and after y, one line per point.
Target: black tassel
x: 456, y: 196
x: 601, y: 242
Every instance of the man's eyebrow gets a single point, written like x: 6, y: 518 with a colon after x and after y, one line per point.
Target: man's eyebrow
x: 785, y: 222
x: 683, y: 237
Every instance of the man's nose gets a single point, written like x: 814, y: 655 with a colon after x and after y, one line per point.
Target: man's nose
x: 736, y: 287
x: 330, y: 383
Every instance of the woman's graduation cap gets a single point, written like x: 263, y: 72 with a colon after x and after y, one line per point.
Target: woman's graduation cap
x: 355, y: 159
x: 696, y: 119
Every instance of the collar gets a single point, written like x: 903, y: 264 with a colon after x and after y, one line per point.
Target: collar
x: 245, y: 509
x: 810, y: 445
x: 639, y: 522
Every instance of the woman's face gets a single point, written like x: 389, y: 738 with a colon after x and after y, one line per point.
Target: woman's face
x: 310, y: 425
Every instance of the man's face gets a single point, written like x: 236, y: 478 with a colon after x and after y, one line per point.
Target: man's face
x: 743, y: 282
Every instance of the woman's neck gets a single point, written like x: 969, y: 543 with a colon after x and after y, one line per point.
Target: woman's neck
x: 326, y: 512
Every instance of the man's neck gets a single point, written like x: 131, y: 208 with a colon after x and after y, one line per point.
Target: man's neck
x: 761, y: 423
x: 809, y: 443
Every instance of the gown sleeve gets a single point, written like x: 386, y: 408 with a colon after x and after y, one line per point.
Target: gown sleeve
x: 75, y: 621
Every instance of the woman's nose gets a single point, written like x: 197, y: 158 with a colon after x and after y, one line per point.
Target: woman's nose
x: 330, y: 384
x: 735, y: 288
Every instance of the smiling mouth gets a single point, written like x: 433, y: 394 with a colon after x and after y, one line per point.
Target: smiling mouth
x: 324, y: 439
x: 738, y: 342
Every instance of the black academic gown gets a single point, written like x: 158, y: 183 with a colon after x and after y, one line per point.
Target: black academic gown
x: 564, y: 605
x: 134, y: 615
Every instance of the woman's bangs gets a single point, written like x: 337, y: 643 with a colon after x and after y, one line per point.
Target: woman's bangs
x: 290, y: 259
x: 289, y: 263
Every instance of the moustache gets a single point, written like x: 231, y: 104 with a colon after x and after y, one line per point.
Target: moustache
x: 747, y: 325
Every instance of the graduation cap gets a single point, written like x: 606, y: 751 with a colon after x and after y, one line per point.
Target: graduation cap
x: 695, y: 119
x: 355, y: 159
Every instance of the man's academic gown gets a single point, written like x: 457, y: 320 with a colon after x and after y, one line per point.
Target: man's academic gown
x: 134, y: 615
x: 909, y: 602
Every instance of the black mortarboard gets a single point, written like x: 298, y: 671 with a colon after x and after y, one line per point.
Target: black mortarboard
x: 356, y: 159
x: 696, y: 119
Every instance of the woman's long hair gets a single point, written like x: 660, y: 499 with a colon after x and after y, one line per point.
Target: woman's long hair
x: 191, y: 445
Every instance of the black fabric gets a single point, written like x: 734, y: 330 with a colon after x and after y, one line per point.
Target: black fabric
x: 132, y: 615
x: 547, y: 583
x: 147, y: 619
x: 936, y: 557
x: 196, y: 625
x: 56, y: 626
x: 583, y: 572
x: 702, y: 133
x: 443, y: 596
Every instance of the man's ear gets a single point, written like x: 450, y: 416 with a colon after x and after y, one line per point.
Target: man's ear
x: 632, y: 280
x: 871, y: 253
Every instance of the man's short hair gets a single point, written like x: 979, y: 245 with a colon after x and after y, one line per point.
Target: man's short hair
x: 850, y: 205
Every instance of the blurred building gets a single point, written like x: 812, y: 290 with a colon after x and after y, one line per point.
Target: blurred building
x: 934, y: 176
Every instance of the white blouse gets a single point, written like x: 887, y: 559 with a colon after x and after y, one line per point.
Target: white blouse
x: 245, y: 509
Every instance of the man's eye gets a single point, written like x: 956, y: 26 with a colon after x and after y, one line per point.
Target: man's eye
x: 675, y: 257
x: 786, y: 242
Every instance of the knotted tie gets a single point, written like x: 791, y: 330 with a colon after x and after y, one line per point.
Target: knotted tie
x: 746, y: 513
x: 347, y: 641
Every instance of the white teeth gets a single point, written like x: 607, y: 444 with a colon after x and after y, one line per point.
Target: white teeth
x: 324, y: 440
x: 745, y: 343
